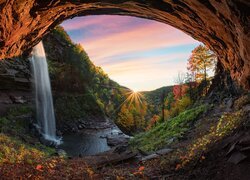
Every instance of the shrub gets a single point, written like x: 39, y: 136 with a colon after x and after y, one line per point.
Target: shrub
x: 14, y: 151
x: 162, y: 134
x: 180, y: 106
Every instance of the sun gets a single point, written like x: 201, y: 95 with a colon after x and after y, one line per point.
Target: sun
x: 134, y: 91
x: 132, y: 96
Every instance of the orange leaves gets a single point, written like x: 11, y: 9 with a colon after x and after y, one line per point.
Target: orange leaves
x: 90, y: 172
x: 153, y: 121
x: 178, y: 166
x: 201, y: 61
x: 141, y: 168
x: 179, y: 91
x: 120, y: 178
x: 39, y: 167
x: 140, y: 171
x: 47, y: 166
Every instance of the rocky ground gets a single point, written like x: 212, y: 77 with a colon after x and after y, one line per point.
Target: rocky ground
x: 227, y: 158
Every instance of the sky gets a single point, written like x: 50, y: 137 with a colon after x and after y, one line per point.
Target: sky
x: 137, y: 53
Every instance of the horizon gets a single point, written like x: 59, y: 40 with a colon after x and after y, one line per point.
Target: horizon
x: 140, y: 54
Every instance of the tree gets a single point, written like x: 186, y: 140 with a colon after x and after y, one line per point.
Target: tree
x: 169, y: 100
x: 179, y: 90
x: 201, y: 61
x: 192, y: 84
x: 153, y: 121
x: 125, y: 119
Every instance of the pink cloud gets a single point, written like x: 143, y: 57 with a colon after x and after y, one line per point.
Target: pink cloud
x: 143, y: 38
x: 145, y: 64
x: 100, y: 25
x: 107, y: 38
x: 79, y: 23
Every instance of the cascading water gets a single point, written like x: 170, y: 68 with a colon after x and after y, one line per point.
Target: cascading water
x: 44, y: 103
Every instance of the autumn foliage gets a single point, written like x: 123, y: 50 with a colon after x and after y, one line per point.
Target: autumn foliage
x: 179, y: 91
x: 201, y: 61
x: 153, y: 121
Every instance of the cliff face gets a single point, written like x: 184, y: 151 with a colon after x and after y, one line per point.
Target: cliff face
x: 223, y: 25
x: 80, y: 100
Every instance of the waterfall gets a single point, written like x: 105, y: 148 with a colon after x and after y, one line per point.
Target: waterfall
x: 44, y: 103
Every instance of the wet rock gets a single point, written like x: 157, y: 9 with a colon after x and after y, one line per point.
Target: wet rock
x: 103, y: 136
x: 121, y: 148
x: 149, y: 157
x: 59, y: 133
x: 8, y: 102
x: 229, y: 103
x: 61, y: 153
x: 164, y: 151
x: 25, y: 117
x: 245, y: 149
x: 114, y: 141
x: 169, y: 141
x: 80, y: 126
x: 47, y: 142
x: 143, y: 153
x: 18, y: 99
x: 232, y: 148
x: 156, y: 154
x: 74, y: 129
x: 237, y: 157
x: 245, y: 140
x: 239, y: 148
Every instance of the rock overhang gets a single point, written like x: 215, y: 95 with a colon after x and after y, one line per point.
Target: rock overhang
x: 222, y: 25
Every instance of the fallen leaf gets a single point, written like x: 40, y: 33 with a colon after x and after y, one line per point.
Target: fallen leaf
x: 141, y: 168
x: 39, y: 167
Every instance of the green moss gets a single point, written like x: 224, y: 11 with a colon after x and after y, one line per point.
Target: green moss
x: 161, y: 135
x: 13, y: 122
x: 3, y: 124
x: 13, y: 149
x: 18, y: 111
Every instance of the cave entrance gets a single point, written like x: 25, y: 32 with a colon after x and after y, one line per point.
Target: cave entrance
x: 141, y: 51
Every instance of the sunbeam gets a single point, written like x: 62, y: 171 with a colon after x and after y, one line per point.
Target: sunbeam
x: 132, y: 97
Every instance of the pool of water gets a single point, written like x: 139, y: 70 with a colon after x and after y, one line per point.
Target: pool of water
x: 85, y: 143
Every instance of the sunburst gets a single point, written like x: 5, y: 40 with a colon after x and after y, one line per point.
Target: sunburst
x: 132, y: 97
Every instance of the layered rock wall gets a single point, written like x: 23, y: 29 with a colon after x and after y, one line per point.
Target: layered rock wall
x: 223, y: 25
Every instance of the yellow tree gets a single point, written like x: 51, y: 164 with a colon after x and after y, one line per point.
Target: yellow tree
x: 201, y: 61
